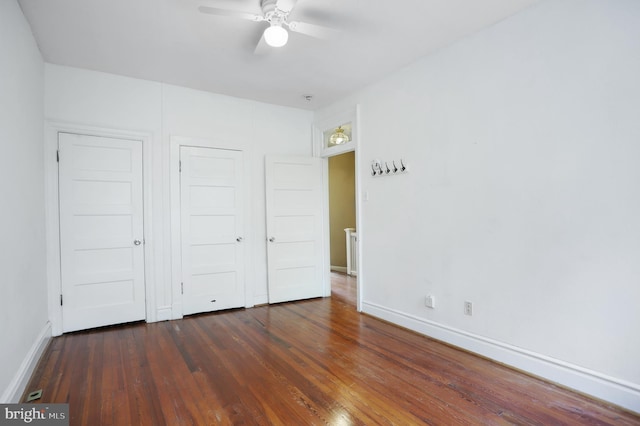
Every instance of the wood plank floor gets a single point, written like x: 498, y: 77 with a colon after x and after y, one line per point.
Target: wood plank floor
x: 311, y: 362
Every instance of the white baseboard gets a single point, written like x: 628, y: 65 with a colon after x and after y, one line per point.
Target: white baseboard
x: 611, y: 389
x: 16, y: 388
x: 342, y: 269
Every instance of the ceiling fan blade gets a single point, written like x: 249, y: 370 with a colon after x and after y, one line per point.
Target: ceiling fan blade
x: 317, y: 31
x: 231, y: 13
x: 262, y: 48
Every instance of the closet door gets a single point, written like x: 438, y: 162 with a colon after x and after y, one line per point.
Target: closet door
x: 101, y: 231
x: 294, y: 228
x: 211, y: 223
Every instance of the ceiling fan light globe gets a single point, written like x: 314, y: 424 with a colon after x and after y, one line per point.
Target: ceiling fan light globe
x: 276, y: 36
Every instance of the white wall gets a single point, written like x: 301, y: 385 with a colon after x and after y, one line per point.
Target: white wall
x: 256, y: 128
x: 23, y: 307
x: 89, y: 98
x: 523, y: 194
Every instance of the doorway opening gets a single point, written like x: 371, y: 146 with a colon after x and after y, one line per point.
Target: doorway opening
x: 342, y: 224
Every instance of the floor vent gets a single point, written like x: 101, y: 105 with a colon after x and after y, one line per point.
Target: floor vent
x: 34, y: 395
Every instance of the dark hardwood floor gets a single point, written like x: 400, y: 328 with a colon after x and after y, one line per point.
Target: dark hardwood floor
x: 311, y: 362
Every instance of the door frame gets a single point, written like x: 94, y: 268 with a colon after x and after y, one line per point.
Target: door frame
x: 52, y: 213
x: 176, y: 142
x: 351, y: 115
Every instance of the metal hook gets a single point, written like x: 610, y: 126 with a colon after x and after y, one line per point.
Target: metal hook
x: 395, y: 168
x: 373, y: 169
x: 379, y: 168
x: 402, y: 166
x: 388, y: 170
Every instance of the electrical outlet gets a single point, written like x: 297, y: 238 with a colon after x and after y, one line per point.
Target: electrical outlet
x: 430, y: 301
x: 468, y: 308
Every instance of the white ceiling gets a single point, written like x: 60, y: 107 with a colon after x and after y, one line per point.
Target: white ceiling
x: 171, y: 41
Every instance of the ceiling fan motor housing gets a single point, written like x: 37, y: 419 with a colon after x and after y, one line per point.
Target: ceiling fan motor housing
x: 268, y: 6
x: 272, y: 13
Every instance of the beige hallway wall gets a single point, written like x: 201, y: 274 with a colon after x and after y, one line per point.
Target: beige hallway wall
x: 342, y: 204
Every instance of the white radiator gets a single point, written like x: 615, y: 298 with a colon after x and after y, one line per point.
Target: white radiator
x: 352, y: 251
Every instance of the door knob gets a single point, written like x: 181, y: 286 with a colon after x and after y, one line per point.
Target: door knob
x: 239, y: 239
x: 272, y: 239
x: 137, y: 242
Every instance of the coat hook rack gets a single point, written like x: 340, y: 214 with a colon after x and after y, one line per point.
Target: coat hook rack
x: 382, y: 168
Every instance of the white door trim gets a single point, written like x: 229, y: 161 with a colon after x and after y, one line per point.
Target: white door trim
x: 52, y: 217
x: 176, y: 250
x: 349, y: 115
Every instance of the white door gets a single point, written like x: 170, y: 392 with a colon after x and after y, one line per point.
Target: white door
x: 211, y: 226
x: 101, y: 231
x: 294, y: 228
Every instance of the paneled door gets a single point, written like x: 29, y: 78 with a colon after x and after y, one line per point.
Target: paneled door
x: 101, y: 231
x: 294, y: 228
x: 211, y: 226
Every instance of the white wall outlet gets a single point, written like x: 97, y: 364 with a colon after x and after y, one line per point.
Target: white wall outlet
x: 430, y: 301
x: 468, y: 308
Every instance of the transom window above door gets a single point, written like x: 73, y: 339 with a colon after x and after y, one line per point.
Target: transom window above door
x: 339, y: 136
x: 335, y: 134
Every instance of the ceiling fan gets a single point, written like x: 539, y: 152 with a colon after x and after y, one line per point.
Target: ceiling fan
x: 276, y: 13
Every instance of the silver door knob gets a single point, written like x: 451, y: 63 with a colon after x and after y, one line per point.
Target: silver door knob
x: 239, y: 239
x: 137, y: 242
x: 272, y: 239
